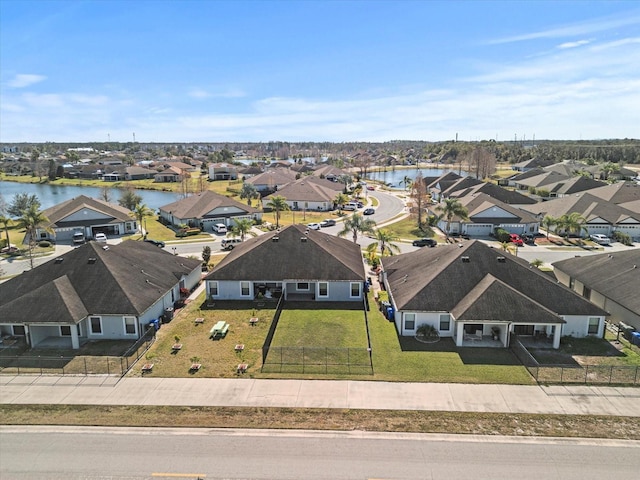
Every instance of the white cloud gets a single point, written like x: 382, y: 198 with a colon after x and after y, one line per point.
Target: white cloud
x: 200, y: 93
x: 23, y: 80
x: 577, y: 29
x: 578, y: 43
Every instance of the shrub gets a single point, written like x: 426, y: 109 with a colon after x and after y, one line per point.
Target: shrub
x: 44, y: 244
x: 622, y: 238
x: 427, y: 331
x: 502, y: 235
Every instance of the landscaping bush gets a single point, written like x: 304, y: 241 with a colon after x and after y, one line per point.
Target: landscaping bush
x: 44, y: 244
x: 185, y: 232
x: 622, y: 238
x: 501, y: 235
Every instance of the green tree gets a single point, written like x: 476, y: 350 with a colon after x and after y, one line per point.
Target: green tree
x: 30, y: 220
x: 4, y: 220
x: 22, y: 202
x: 407, y: 182
x: 52, y: 169
x: 420, y: 198
x: 129, y: 198
x: 249, y: 192
x: 384, y: 239
x: 339, y: 200
x: 355, y: 225
x: 452, y: 208
x: 536, y: 262
x: 548, y: 222
x: 573, y: 223
x: 140, y: 212
x: 278, y: 204
x: 241, y: 228
x: 206, y: 255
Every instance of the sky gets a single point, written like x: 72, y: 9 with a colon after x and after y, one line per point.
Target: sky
x: 337, y: 71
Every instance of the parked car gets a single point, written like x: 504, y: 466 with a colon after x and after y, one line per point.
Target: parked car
x: 600, y: 239
x: 313, y: 226
x: 370, y: 187
x: 424, y: 242
x: 368, y: 211
x: 529, y: 239
x: 516, y: 240
x: 230, y: 243
x: 100, y: 237
x: 219, y: 228
x: 157, y: 243
x: 78, y: 238
x: 351, y: 207
x: 329, y: 222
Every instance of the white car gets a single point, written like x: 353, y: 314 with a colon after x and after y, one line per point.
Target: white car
x: 101, y: 238
x: 313, y: 226
x: 600, y: 238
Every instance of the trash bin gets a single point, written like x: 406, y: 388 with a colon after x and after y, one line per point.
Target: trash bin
x: 635, y: 338
x: 383, y: 307
x: 389, y: 314
x: 155, y: 323
x: 168, y: 314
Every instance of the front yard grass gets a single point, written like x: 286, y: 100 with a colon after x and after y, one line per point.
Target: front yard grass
x: 407, y: 228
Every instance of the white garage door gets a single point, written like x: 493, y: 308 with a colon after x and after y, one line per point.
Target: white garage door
x: 479, y: 229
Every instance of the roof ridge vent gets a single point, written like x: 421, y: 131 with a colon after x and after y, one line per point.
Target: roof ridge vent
x: 91, y: 260
x: 501, y: 259
x: 275, y: 239
x: 465, y: 259
x: 303, y: 239
x: 59, y: 260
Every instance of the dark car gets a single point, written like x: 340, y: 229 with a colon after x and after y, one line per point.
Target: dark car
x: 424, y: 242
x: 368, y: 211
x: 329, y: 222
x: 157, y: 243
x: 528, y: 239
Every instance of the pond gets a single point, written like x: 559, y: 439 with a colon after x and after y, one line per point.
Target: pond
x: 395, y: 178
x: 50, y: 195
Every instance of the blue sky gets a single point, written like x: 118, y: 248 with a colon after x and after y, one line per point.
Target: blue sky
x: 217, y: 71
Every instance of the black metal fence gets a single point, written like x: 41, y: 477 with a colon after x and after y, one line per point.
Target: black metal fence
x: 77, y: 365
x: 320, y: 360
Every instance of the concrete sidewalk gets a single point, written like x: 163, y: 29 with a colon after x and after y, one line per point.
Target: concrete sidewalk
x: 247, y: 392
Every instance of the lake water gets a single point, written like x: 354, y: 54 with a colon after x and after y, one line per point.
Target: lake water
x: 394, y: 178
x: 50, y: 195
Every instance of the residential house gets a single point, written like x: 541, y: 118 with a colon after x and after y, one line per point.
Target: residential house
x: 272, y: 180
x: 474, y: 292
x: 94, y: 293
x: 223, y: 171
x: 531, y: 164
x: 625, y: 194
x: 138, y: 173
x: 609, y: 280
x: 470, y: 186
x: 87, y: 215
x: 206, y: 209
x: 171, y: 174
x: 601, y: 216
x: 486, y: 214
x: 329, y: 172
x: 436, y: 185
x: 295, y: 262
x: 308, y: 193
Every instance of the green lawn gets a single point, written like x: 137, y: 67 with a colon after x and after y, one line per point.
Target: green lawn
x: 407, y: 228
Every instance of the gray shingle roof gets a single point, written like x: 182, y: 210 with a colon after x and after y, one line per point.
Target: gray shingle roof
x: 615, y: 275
x: 309, y: 189
x: 438, y: 280
x: 320, y: 257
x: 59, y: 212
x: 124, y: 279
x: 586, y: 204
x: 197, y: 206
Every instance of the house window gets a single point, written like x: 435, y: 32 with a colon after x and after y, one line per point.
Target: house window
x: 594, y: 325
x: 213, y: 289
x: 409, y: 321
x: 65, y: 331
x: 355, y: 289
x: 130, y: 325
x: 302, y: 286
x: 323, y: 289
x: 586, y: 293
x: 445, y: 322
x: 18, y: 330
x: 96, y: 325
x: 244, y: 289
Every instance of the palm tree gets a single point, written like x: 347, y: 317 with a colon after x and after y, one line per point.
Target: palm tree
x: 548, y: 222
x: 4, y: 220
x: 452, y: 208
x: 407, y: 181
x: 249, y: 191
x: 278, y: 204
x: 536, y: 262
x: 384, y: 239
x: 356, y: 224
x: 508, y: 247
x: 31, y: 218
x: 241, y: 228
x: 140, y: 212
x: 573, y: 223
x: 340, y: 200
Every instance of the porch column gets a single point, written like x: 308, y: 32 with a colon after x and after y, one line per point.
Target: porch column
x: 75, y: 342
x: 556, y: 336
x: 459, y: 333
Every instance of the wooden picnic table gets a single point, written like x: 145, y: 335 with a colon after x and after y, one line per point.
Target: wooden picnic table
x: 199, y: 320
x: 253, y: 321
x: 239, y: 347
x: 147, y: 367
x: 242, y: 367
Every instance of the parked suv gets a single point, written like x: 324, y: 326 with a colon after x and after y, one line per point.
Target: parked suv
x: 220, y: 228
x: 515, y: 239
x: 229, y: 243
x: 78, y: 238
x: 424, y: 242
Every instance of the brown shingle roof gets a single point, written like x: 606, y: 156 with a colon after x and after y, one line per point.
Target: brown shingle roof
x: 197, y: 206
x: 59, y: 212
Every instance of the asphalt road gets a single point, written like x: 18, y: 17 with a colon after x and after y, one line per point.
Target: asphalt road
x: 71, y: 453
